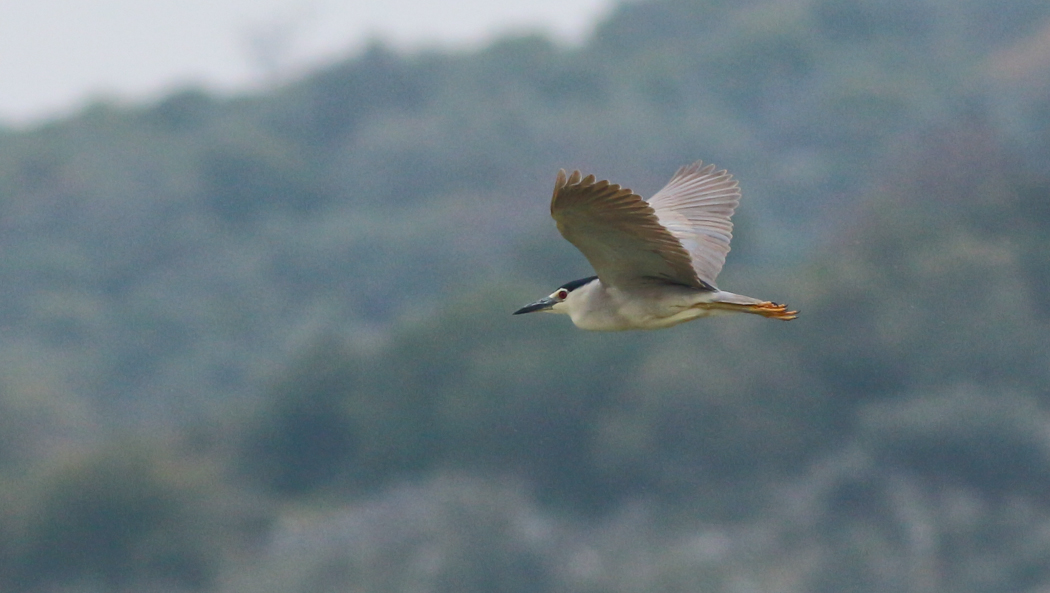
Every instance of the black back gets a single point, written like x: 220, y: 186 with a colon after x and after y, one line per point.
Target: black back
x: 571, y: 286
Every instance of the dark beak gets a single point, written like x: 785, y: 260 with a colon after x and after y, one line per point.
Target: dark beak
x: 540, y: 305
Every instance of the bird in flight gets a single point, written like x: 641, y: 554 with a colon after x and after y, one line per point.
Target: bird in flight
x: 656, y: 261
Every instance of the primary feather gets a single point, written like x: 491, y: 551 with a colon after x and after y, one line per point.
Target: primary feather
x: 619, y: 233
x: 680, y: 236
x: 695, y: 207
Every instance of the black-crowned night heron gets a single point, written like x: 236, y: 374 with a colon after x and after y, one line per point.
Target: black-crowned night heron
x: 656, y: 261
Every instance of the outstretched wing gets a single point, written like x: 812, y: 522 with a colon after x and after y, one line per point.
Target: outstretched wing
x: 619, y: 233
x: 695, y: 207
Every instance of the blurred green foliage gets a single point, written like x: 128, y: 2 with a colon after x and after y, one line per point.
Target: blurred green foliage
x: 264, y: 343
x: 122, y: 517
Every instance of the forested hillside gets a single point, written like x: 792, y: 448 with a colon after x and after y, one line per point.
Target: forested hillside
x: 264, y: 343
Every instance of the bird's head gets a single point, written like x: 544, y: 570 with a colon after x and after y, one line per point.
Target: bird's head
x: 558, y: 301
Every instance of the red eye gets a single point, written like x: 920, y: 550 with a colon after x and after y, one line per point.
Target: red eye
x: 562, y: 294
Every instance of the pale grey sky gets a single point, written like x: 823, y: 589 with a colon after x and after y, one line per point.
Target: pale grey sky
x: 55, y: 55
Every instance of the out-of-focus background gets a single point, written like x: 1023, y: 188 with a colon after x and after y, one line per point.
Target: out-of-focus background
x: 255, y: 330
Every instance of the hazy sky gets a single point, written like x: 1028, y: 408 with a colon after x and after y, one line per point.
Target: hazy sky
x: 57, y: 54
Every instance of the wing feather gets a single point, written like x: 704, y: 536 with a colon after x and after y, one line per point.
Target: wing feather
x: 696, y: 207
x: 619, y: 233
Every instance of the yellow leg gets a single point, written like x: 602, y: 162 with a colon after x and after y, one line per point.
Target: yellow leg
x: 764, y: 308
x: 774, y: 311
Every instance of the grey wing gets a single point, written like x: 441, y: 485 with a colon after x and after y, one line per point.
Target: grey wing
x: 619, y: 234
x: 695, y: 207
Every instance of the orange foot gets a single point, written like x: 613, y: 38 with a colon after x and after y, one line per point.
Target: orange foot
x: 772, y: 310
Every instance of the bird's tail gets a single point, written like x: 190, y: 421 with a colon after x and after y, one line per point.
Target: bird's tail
x: 738, y: 303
